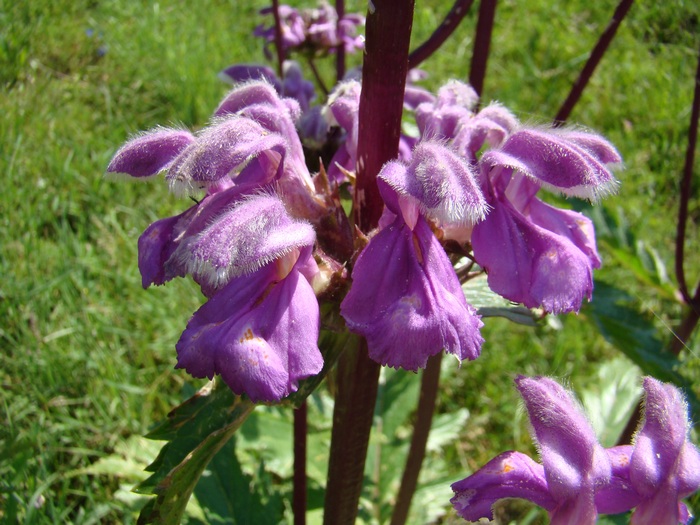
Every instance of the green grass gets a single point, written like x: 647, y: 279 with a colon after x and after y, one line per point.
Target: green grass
x: 87, y: 356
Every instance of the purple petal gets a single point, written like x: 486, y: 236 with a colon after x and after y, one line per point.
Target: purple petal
x: 491, y: 126
x: 243, y: 238
x: 441, y: 181
x: 407, y: 301
x: 296, y: 87
x: 576, y: 227
x: 259, y: 332
x: 150, y: 153
x: 157, y: 244
x: 665, y: 465
x: 509, y: 475
x: 619, y: 495
x: 529, y: 264
x: 249, y: 94
x: 575, y: 463
x: 222, y: 148
x: 559, y: 160
x: 241, y: 73
x: 162, y: 238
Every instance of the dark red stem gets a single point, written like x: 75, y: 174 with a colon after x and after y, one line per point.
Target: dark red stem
x: 357, y: 382
x: 686, y: 183
x: 421, y: 429
x: 449, y: 24
x: 299, y: 495
x: 482, y: 43
x: 593, y: 60
x: 388, y: 33
x: 340, y: 50
x: 278, y: 37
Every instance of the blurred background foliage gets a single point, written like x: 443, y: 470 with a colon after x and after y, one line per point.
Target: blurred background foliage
x: 87, y: 356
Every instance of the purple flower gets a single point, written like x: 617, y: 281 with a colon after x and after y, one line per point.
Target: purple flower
x: 150, y: 153
x: 534, y: 253
x: 404, y: 286
x: 407, y: 301
x: 317, y: 29
x: 574, y: 465
x: 259, y: 332
x: 578, y: 478
x: 665, y: 465
x: 292, y: 25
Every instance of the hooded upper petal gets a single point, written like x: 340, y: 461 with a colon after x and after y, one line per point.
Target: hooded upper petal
x: 242, y: 238
x: 574, y: 163
x: 665, y: 465
x: 442, y: 182
x: 150, y: 153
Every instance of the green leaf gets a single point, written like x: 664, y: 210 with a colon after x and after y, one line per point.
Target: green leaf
x: 489, y: 304
x: 196, y: 431
x: 613, y: 232
x: 636, y: 336
x: 611, y: 399
x: 229, y: 496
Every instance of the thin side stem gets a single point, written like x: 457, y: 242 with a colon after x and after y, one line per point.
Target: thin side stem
x: 340, y: 50
x: 317, y: 76
x: 686, y: 190
x: 278, y: 38
x: 299, y: 494
x: 593, y: 60
x: 421, y: 429
x: 441, y: 34
x: 482, y: 43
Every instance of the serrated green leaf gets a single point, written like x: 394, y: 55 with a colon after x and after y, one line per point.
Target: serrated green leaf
x: 446, y: 428
x: 196, y: 431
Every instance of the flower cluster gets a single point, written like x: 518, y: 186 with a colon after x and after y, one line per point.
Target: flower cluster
x: 578, y: 478
x: 268, y: 235
x: 318, y: 29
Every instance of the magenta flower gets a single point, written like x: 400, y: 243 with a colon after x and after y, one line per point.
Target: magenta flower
x: 578, y: 479
x: 259, y: 332
x: 574, y: 465
x: 534, y: 253
x: 665, y: 465
x: 405, y: 297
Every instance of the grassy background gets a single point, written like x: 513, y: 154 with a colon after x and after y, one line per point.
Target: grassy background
x: 86, y: 355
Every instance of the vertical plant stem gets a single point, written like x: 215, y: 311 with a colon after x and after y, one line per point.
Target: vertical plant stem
x: 482, y: 43
x: 357, y: 382
x: 686, y: 189
x: 421, y: 429
x: 388, y: 33
x: 593, y: 60
x: 445, y: 29
x: 279, y: 47
x: 299, y: 496
x: 340, y: 51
